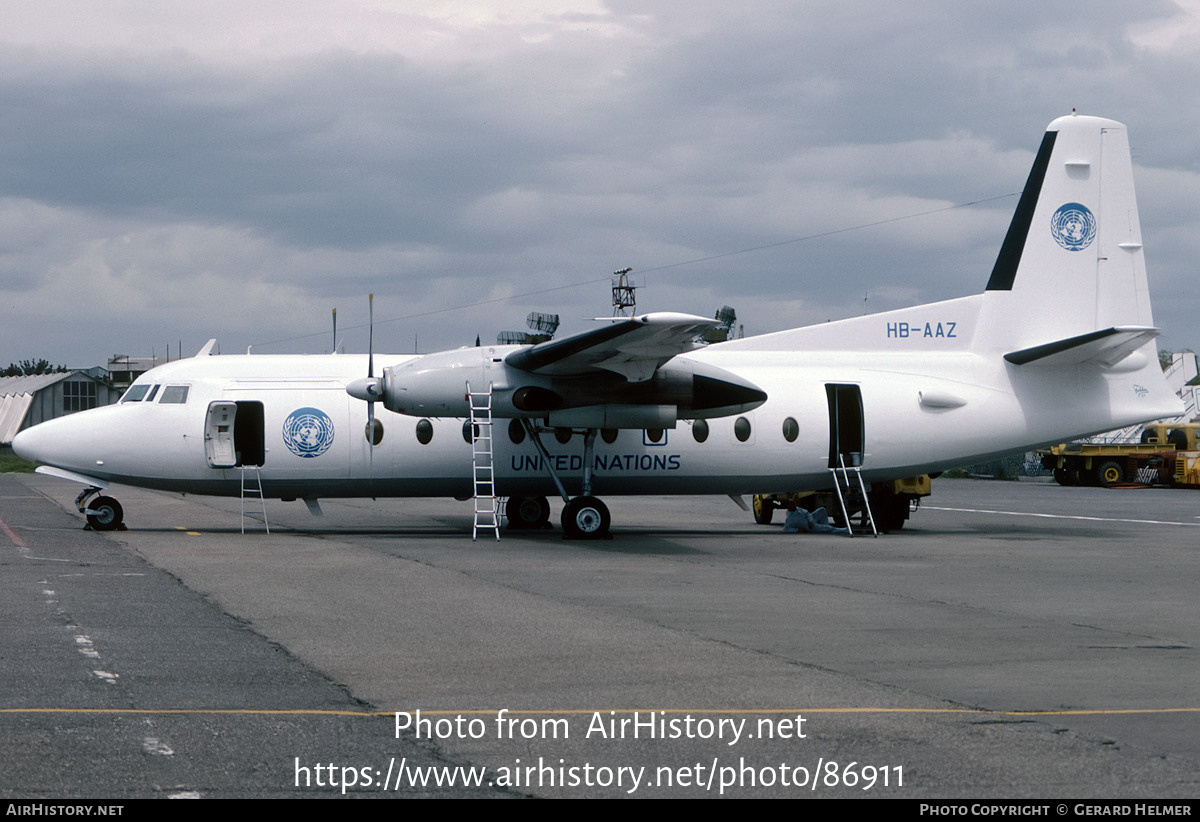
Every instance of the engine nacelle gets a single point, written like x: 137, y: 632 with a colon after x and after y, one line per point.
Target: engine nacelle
x: 436, y: 385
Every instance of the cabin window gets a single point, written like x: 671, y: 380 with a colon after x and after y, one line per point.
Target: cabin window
x: 174, y: 395
x: 563, y: 435
x: 136, y: 393
x: 654, y: 434
x: 467, y: 431
x: 373, y: 431
x: 609, y: 435
x: 791, y: 429
x: 516, y: 431
x: 700, y: 430
x: 78, y: 396
x: 424, y: 432
x: 741, y: 429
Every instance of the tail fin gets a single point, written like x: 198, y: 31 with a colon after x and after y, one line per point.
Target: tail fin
x: 1069, y: 284
x: 1071, y: 263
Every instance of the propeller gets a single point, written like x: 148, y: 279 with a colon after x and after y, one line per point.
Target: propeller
x: 370, y: 390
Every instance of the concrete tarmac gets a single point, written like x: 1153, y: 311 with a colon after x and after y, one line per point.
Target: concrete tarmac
x: 1017, y: 640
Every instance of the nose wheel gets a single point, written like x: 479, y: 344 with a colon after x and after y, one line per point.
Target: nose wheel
x: 102, y: 513
x: 586, y: 518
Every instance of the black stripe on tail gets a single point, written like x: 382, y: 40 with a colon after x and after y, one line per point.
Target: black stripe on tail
x: 1007, y: 262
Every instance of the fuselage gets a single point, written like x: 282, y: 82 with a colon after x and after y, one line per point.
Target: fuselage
x: 905, y: 405
x: 1058, y: 345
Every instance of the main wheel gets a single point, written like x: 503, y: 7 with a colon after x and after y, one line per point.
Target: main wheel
x: 890, y: 512
x: 527, y: 512
x: 764, y: 509
x: 1109, y: 472
x: 105, y: 514
x: 585, y: 518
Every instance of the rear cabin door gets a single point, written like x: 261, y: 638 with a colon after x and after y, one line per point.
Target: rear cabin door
x: 846, y: 434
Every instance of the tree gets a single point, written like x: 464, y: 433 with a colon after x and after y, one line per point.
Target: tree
x: 27, y: 368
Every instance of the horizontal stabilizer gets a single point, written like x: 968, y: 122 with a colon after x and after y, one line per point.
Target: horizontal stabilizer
x: 633, y: 348
x: 1106, y: 348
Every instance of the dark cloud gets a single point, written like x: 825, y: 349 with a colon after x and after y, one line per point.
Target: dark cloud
x: 486, y: 158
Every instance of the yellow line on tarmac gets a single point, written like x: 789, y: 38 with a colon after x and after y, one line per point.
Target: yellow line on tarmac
x: 584, y: 711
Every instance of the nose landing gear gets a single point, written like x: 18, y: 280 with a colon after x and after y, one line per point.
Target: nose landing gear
x: 103, y: 513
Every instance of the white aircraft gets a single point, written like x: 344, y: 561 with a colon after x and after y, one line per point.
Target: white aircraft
x: 1059, y: 345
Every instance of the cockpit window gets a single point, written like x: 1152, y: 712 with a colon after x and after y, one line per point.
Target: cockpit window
x: 135, y: 393
x: 150, y: 396
x: 176, y: 394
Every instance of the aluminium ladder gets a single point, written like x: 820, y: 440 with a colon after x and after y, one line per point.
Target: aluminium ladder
x: 483, y: 471
x: 861, y: 489
x: 252, y: 489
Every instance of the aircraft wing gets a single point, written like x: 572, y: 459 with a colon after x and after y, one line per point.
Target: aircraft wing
x: 1107, y: 348
x: 633, y: 347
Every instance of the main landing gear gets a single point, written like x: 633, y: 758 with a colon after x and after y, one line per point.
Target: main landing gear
x: 585, y: 516
x: 524, y: 513
x: 103, y: 513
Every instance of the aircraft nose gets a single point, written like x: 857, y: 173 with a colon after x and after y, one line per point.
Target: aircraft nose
x: 29, y: 443
x: 60, y: 442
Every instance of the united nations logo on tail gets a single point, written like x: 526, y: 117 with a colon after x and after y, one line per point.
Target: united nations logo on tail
x: 308, y: 432
x: 1073, y: 226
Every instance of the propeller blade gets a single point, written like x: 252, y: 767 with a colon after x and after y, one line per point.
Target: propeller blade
x: 370, y: 389
x: 371, y: 438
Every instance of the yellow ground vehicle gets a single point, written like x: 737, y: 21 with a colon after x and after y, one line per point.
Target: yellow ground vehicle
x: 891, y: 503
x: 1168, y: 454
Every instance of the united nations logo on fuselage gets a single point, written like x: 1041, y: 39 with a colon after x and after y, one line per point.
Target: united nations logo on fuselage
x: 308, y: 432
x: 1073, y: 226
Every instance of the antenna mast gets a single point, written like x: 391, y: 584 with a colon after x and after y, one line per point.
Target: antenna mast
x: 623, y: 298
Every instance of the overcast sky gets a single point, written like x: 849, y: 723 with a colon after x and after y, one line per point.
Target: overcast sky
x: 173, y: 171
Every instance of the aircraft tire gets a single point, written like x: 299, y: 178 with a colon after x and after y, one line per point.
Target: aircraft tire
x: 585, y: 518
x: 527, y: 512
x: 105, y: 514
x: 764, y: 509
x: 893, y: 512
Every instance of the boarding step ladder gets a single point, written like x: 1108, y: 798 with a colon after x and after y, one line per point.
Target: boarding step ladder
x: 252, y: 495
x: 483, y: 470
x: 852, y: 495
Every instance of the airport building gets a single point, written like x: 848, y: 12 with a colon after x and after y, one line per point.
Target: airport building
x: 26, y: 401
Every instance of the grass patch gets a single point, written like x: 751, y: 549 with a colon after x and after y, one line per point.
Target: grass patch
x: 10, y: 463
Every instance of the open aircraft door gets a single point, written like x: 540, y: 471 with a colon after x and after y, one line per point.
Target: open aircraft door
x: 219, y: 425
x: 846, y: 436
x: 233, y: 434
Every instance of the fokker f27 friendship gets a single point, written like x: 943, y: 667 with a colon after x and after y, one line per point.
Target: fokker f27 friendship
x: 639, y: 407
